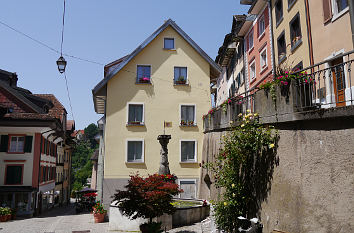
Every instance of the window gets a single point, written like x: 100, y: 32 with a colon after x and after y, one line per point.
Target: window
x: 281, y: 47
x: 231, y: 66
x: 327, y: 10
x: 180, y: 75
x: 188, y: 115
x: 261, y: 26
x: 291, y: 3
x: 169, y: 43
x: 135, y: 151
x: 189, y: 188
x: 250, y: 40
x: 144, y: 74
x: 278, y: 11
x: 136, y: 114
x: 295, y: 31
x: 341, y: 5
x: 298, y: 67
x: 253, y: 70
x: 17, y: 144
x: 188, y: 150
x: 263, y: 58
x: 13, y: 174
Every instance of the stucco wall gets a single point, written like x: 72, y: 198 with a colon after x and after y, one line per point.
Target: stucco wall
x: 312, y: 188
x: 162, y: 102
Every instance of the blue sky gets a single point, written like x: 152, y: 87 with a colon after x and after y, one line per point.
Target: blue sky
x: 101, y: 31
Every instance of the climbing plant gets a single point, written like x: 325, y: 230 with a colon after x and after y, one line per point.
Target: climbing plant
x: 243, y: 170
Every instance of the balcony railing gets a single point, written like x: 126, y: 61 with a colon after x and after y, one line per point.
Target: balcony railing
x: 327, y: 85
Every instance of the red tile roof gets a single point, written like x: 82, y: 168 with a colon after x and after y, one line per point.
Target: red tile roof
x: 58, y: 110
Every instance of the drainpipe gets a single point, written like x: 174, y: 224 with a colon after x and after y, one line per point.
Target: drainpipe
x: 271, y: 34
x: 351, y: 13
x: 309, y: 34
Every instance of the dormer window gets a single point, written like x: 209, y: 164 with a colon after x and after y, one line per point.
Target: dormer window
x: 169, y: 43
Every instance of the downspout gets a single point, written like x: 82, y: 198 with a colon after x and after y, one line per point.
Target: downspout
x: 351, y: 13
x: 309, y: 34
x: 271, y: 35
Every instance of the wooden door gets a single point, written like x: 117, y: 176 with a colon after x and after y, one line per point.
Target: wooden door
x: 338, y: 81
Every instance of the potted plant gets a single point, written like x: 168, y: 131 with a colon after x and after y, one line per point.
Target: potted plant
x: 5, y: 214
x: 181, y: 80
x: 183, y: 122
x: 99, y: 212
x: 13, y: 213
x: 144, y: 80
x: 148, y: 198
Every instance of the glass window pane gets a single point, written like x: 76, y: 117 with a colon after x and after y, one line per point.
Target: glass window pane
x: 13, y: 174
x: 135, y: 113
x: 183, y: 72
x: 169, y: 43
x: 188, y: 151
x: 135, y: 149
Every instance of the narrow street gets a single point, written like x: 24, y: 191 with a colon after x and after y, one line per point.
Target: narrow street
x: 65, y: 220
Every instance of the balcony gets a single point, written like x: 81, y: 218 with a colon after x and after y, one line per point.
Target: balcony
x: 324, y: 91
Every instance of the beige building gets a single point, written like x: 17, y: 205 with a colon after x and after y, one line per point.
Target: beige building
x: 167, y: 78
x: 231, y: 81
x: 292, y: 48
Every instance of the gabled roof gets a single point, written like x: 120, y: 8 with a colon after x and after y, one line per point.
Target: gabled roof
x: 126, y: 60
x: 58, y: 110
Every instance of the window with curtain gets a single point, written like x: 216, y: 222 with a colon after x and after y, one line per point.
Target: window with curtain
x: 13, y: 174
x: 135, y: 151
x: 17, y: 144
x: 261, y: 26
x: 143, y: 74
x: 250, y: 40
x: 188, y: 151
x: 187, y: 115
x: 135, y: 115
x: 189, y: 189
x: 169, y: 43
x: 180, y: 75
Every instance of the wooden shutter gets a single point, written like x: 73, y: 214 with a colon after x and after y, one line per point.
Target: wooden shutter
x: 327, y: 10
x: 28, y: 144
x: 4, y: 143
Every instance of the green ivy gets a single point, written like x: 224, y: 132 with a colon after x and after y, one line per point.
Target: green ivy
x: 243, y: 170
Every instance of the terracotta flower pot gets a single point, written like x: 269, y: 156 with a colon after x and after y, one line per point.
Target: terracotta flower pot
x: 3, y: 218
x: 98, y: 217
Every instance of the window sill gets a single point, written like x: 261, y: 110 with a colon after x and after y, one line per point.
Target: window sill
x: 295, y: 45
x: 281, y: 59
x: 194, y: 125
x: 169, y: 49
x: 141, y: 83
x: 188, y: 162
x: 340, y: 14
x: 181, y: 84
x: 250, y: 50
x: 133, y: 124
x: 15, y: 152
x: 261, y: 36
x: 137, y: 162
x: 279, y: 22
x: 253, y: 80
x: 264, y: 68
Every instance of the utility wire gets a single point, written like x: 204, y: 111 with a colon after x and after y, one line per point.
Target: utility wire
x: 47, y: 46
x: 67, y: 89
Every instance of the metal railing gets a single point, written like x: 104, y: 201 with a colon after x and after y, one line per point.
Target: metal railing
x: 327, y: 84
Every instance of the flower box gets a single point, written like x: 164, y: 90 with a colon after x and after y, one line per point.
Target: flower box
x: 144, y: 80
x: 178, y: 82
x: 135, y: 123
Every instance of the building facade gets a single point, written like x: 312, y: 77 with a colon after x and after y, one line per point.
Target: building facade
x: 166, y: 79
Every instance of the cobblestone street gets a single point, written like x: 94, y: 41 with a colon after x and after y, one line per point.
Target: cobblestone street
x: 64, y: 220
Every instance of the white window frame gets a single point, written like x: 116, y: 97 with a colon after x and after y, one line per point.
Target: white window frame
x: 264, y: 50
x: 195, y: 112
x: 251, y: 33
x: 174, y: 43
x: 255, y: 70
x: 137, y: 65
x: 259, y: 25
x: 142, y: 151
x: 337, y: 14
x: 10, y: 142
x: 136, y: 103
x: 193, y: 180
x: 195, y: 150
x: 187, y: 80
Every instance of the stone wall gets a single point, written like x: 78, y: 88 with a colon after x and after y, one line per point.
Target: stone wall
x: 313, y: 185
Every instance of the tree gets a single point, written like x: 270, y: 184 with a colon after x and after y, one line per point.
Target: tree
x: 147, y: 197
x: 90, y: 132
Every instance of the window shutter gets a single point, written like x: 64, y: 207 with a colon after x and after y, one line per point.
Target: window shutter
x: 28, y: 144
x: 4, y: 143
x: 327, y: 10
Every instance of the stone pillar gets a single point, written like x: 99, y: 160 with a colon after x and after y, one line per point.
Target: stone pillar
x: 164, y: 168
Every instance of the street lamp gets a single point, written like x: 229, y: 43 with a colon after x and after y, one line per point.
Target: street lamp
x: 61, y: 64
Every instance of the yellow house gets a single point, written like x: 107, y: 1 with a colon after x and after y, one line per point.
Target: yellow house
x: 165, y: 79
x: 292, y: 42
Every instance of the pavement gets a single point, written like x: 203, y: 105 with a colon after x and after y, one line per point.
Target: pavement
x: 65, y: 220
